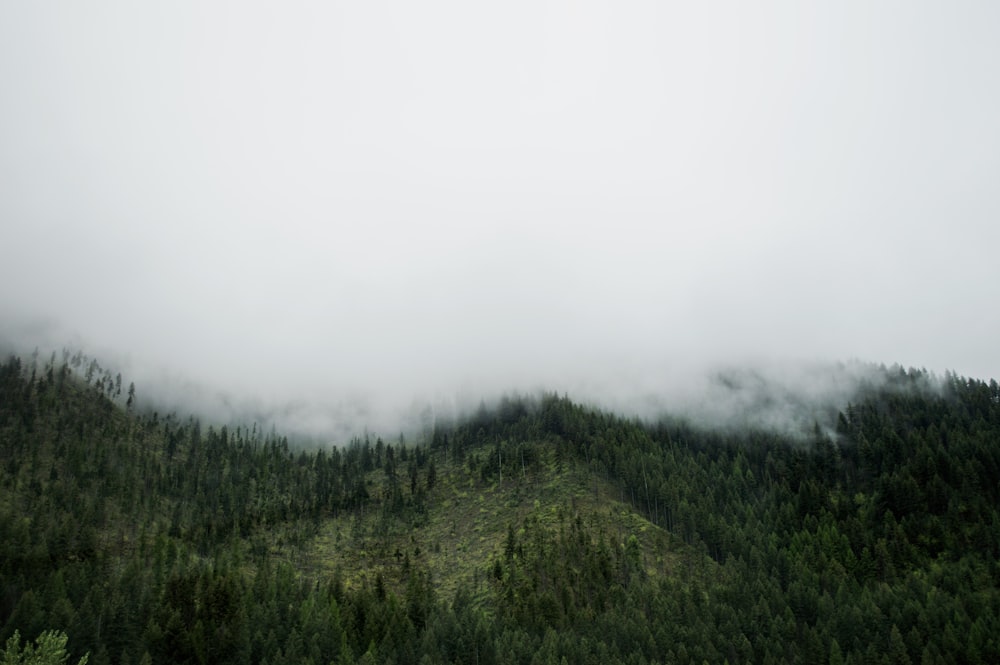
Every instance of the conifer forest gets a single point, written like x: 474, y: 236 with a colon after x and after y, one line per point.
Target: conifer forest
x: 535, y: 530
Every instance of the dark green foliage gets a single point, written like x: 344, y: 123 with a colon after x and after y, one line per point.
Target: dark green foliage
x: 146, y: 538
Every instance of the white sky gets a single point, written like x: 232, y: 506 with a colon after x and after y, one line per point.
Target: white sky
x: 313, y: 199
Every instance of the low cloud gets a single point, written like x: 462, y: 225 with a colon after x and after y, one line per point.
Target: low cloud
x: 646, y: 208
x: 789, y: 397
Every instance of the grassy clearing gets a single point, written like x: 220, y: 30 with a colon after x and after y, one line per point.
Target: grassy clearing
x: 465, y: 523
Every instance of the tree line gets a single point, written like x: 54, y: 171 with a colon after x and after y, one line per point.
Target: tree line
x: 148, y: 537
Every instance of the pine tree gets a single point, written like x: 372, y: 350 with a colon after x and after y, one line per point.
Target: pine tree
x: 48, y: 649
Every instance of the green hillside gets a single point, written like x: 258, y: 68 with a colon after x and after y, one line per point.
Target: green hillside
x: 535, y: 531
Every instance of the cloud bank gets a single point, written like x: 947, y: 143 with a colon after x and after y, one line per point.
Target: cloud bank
x: 383, y: 205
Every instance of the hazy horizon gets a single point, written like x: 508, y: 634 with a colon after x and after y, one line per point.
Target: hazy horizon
x: 393, y: 204
x: 788, y: 397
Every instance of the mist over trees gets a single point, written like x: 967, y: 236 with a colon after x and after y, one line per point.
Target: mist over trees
x: 309, y: 246
x: 152, y: 537
x: 784, y: 396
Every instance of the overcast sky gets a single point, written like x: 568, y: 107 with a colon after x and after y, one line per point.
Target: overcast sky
x: 307, y: 200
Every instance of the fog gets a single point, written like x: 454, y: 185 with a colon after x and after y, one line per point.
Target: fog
x: 339, y: 214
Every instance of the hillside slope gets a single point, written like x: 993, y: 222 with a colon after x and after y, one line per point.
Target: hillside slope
x: 534, y: 531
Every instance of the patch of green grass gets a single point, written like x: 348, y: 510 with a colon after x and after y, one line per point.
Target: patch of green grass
x: 465, y: 526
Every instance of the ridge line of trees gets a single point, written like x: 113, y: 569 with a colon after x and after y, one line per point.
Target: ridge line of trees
x: 149, y: 538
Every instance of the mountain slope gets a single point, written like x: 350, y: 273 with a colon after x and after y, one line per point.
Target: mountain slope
x: 533, y: 531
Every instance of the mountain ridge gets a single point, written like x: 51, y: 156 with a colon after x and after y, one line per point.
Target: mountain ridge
x: 535, y: 529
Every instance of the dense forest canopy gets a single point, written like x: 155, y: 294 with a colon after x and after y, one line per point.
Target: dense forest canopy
x: 533, y: 531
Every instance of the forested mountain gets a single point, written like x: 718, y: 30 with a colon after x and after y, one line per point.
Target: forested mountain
x: 535, y: 531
